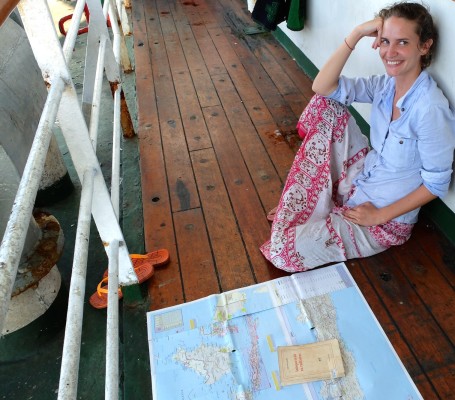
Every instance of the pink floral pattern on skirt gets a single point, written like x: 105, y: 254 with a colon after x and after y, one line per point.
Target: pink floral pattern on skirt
x: 308, y: 229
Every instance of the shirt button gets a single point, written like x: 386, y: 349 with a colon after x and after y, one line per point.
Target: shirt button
x: 401, y: 142
x: 402, y: 109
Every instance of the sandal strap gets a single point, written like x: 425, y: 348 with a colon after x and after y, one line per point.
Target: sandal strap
x: 100, y: 288
x: 103, y: 289
x: 139, y: 256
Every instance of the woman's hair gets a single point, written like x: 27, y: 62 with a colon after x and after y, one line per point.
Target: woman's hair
x: 424, y: 25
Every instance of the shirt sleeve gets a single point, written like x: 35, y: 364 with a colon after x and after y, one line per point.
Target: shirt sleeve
x: 360, y: 90
x: 436, y: 146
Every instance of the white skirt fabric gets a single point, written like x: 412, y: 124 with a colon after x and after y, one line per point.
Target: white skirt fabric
x: 308, y: 229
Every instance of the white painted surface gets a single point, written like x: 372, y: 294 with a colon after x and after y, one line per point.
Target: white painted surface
x: 327, y: 23
x: 33, y: 302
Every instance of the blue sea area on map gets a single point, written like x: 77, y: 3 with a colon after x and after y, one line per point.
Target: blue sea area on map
x: 251, y: 342
x: 380, y: 374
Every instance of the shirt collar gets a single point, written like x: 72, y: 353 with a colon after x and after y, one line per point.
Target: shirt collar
x: 403, y: 101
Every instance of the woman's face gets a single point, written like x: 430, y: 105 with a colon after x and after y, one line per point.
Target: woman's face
x: 400, y: 48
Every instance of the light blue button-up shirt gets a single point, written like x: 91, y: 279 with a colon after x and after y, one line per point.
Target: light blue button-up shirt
x: 417, y: 148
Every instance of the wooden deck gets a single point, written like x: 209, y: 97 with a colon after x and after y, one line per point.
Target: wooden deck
x: 216, y: 117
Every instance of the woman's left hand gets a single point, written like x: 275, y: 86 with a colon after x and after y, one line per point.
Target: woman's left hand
x: 371, y: 28
x: 365, y: 214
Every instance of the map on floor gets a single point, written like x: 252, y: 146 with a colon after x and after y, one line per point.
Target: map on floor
x: 225, y: 346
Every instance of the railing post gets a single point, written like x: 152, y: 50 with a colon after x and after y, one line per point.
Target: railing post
x: 69, y: 372
x: 112, y: 328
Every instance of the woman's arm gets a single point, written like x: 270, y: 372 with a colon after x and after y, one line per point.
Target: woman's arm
x: 367, y: 214
x: 327, y: 79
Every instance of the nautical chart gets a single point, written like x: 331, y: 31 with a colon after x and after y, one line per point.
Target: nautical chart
x: 225, y: 346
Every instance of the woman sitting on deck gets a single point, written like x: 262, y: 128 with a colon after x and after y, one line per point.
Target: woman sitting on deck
x: 341, y: 201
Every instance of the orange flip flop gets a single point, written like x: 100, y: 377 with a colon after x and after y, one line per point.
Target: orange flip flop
x: 143, y: 266
x: 99, y: 298
x: 155, y: 258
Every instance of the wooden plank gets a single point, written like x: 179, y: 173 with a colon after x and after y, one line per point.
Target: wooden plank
x: 442, y: 379
x: 425, y: 386
x: 175, y: 55
x: 178, y: 164
x: 201, y: 77
x: 137, y: 369
x: 228, y: 250
x: 150, y: 140
x: 208, y: 50
x: 250, y: 215
x: 280, y: 153
x: 425, y: 338
x: 297, y: 103
x: 282, y: 113
x: 195, y: 255
x: 274, y: 69
x: 430, y: 285
x: 266, y: 180
x: 195, y: 130
x: 390, y: 328
x: 196, y: 133
x: 274, y: 141
x: 437, y: 247
x: 237, y: 72
x: 267, y: 47
x: 191, y: 11
x: 211, y: 12
x: 180, y: 178
x: 237, y: 12
x: 290, y: 66
x: 164, y: 287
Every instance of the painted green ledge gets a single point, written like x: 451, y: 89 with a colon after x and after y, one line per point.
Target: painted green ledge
x: 437, y: 210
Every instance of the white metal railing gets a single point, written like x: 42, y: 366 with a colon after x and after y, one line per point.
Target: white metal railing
x: 103, y: 58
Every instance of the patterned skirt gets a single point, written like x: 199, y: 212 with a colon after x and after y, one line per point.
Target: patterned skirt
x: 309, y: 230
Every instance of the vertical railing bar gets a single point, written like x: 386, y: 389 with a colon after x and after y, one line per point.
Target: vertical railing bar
x: 112, y: 336
x: 113, y: 15
x: 115, y: 179
x: 120, y: 49
x: 112, y: 328
x: 106, y: 9
x: 17, y: 226
x: 69, y: 372
x: 72, y: 32
x: 98, y: 84
x: 123, y: 17
x: 118, y: 6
